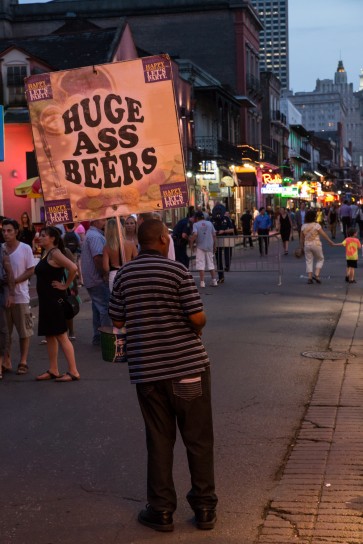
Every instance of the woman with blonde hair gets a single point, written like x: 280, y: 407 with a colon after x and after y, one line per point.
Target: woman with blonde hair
x: 112, y: 256
x: 131, y: 229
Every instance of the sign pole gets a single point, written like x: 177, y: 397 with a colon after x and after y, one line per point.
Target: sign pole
x: 121, y: 239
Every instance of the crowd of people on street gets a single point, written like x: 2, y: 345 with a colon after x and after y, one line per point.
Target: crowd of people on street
x: 137, y: 276
x: 92, y: 254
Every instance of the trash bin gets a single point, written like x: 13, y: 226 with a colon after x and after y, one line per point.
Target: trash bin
x: 113, y: 344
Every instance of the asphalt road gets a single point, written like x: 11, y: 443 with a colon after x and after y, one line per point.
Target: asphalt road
x: 73, y: 454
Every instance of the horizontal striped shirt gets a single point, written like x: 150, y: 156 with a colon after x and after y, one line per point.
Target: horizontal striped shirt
x: 154, y: 297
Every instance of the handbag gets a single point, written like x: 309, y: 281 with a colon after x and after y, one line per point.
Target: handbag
x: 71, y: 306
x: 299, y: 252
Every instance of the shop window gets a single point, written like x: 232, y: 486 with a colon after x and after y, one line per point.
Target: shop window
x: 15, y: 84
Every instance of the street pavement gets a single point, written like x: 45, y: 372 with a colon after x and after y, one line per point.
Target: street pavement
x: 288, y: 434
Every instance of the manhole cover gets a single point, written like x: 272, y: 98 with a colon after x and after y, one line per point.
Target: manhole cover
x: 327, y: 354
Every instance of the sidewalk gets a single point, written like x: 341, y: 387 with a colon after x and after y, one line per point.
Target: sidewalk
x: 319, y: 497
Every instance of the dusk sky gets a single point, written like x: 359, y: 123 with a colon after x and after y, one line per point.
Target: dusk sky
x: 321, y: 32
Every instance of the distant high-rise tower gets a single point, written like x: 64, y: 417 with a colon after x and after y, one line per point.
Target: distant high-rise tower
x: 274, y: 43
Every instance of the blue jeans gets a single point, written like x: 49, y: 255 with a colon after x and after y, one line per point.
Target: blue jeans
x: 100, y: 296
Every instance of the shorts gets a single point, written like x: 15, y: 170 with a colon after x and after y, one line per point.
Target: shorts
x: 352, y: 263
x: 21, y: 316
x: 204, y: 260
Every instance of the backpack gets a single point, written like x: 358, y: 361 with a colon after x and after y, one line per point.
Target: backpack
x: 71, y: 241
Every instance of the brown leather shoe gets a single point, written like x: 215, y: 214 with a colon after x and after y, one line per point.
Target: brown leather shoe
x: 159, y: 521
x: 205, y: 519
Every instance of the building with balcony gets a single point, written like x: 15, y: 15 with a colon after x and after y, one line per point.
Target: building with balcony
x: 185, y: 29
x: 275, y: 131
x: 65, y: 49
x: 217, y: 137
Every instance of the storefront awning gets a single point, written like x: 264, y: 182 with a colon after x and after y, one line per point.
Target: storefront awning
x: 247, y: 179
x: 31, y: 188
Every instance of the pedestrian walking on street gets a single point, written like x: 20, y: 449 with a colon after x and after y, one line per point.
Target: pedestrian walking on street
x: 52, y: 290
x: 333, y: 220
x: 310, y: 241
x: 352, y: 246
x: 300, y: 217
x: 284, y: 227
x: 224, y: 228
x: 359, y: 221
x: 247, y: 222
x: 345, y: 215
x: 261, y: 226
x: 204, y: 235
x: 181, y: 233
x: 170, y: 367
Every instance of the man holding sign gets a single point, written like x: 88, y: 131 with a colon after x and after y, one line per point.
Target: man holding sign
x: 170, y: 367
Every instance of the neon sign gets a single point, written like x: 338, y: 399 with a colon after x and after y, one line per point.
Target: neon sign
x: 271, y: 178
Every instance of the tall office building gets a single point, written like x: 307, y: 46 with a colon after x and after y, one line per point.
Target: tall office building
x: 274, y: 42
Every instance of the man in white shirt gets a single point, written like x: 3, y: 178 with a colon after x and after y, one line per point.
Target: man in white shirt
x: 205, y: 236
x: 19, y: 314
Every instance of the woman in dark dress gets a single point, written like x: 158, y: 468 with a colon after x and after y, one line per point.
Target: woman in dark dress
x: 51, y: 289
x: 26, y: 231
x: 284, y: 226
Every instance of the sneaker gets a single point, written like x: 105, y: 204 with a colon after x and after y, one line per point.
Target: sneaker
x: 214, y: 283
x: 202, y: 284
x: 221, y: 280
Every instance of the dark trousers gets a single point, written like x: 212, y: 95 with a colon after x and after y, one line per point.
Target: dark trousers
x: 219, y: 260
x: 247, y: 236
x: 263, y: 240
x: 227, y: 258
x: 164, y: 405
x: 181, y: 255
x: 346, y: 224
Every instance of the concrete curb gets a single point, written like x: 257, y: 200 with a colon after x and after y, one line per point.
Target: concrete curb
x: 318, y: 498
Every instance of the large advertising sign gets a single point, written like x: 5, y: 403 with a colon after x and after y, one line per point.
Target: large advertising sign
x: 107, y: 140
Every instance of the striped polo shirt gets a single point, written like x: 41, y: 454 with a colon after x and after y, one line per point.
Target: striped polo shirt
x: 154, y: 296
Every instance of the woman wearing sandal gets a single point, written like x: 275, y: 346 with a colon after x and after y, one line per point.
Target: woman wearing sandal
x: 52, y: 291
x: 310, y: 242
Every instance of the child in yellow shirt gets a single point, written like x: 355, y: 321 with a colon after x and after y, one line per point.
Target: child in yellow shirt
x: 352, y: 245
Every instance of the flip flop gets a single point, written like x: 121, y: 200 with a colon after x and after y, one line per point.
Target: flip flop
x: 68, y: 377
x: 47, y: 375
x: 22, y: 369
